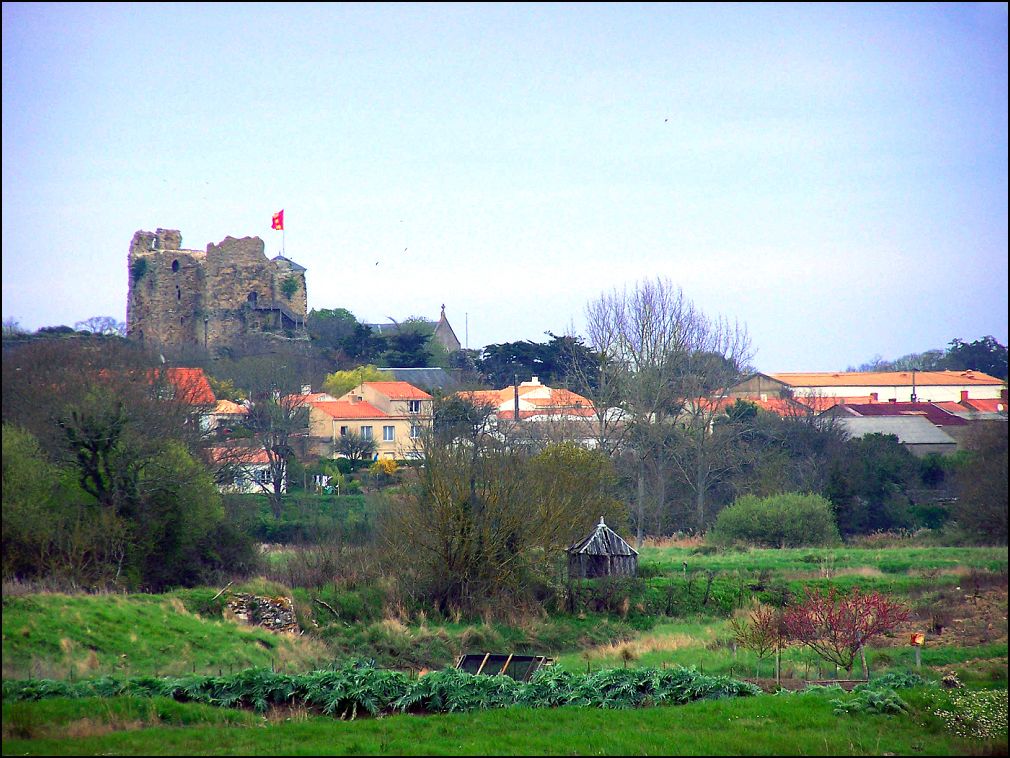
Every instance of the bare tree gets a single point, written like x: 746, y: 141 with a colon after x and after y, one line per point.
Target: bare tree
x: 102, y: 325
x: 274, y: 420
x: 708, y: 448
x: 12, y: 328
x: 663, y: 362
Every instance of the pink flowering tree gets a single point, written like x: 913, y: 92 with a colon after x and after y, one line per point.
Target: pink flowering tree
x: 837, y: 627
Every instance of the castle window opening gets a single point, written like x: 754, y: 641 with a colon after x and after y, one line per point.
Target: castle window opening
x: 178, y: 294
x: 253, y: 297
x: 154, y: 243
x: 175, y: 265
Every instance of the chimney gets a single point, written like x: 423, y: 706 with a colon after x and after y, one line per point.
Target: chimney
x: 515, y: 389
x: 874, y: 397
x: 964, y: 396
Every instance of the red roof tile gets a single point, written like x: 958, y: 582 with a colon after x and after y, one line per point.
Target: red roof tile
x: 345, y: 409
x: 245, y: 455
x: 885, y: 378
x: 399, y: 390
x: 935, y: 415
x: 228, y: 408
x: 191, y: 385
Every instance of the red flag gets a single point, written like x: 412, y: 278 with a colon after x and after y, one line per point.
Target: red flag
x: 278, y: 221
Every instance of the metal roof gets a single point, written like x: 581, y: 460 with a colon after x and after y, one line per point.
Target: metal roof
x: 910, y: 430
x: 603, y: 541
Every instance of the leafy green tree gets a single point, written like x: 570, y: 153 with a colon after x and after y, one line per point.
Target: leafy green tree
x: 340, y: 383
x: 869, y: 486
x: 354, y: 447
x: 115, y: 454
x: 176, y: 528
x: 786, y: 520
x: 572, y: 488
x: 563, y: 361
x: 483, y: 527
x: 981, y: 509
x: 341, y: 336
x: 985, y: 355
x: 409, y: 345
x: 52, y: 529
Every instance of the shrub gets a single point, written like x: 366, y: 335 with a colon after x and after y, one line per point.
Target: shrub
x: 787, y: 520
x: 877, y: 701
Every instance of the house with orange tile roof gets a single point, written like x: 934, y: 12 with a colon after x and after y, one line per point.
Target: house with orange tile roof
x: 546, y: 414
x: 242, y: 469
x: 535, y: 401
x: 822, y: 390
x: 226, y: 416
x: 191, y: 386
x: 394, y: 414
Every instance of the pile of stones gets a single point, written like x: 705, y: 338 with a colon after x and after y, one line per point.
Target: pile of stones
x: 274, y: 613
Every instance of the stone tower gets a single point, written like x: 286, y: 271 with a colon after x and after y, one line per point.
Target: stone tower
x: 211, y: 298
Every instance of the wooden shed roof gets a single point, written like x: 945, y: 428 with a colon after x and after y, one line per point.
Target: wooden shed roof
x: 603, y: 541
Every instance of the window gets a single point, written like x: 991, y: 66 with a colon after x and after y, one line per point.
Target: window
x: 415, y: 431
x: 343, y: 431
x: 366, y: 432
x: 413, y: 406
x: 262, y: 476
x: 175, y: 265
x: 387, y: 434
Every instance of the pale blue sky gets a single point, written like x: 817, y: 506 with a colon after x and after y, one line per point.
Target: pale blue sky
x: 832, y: 176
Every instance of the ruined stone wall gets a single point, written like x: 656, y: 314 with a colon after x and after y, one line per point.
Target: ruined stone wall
x: 296, y: 300
x: 166, y: 289
x: 211, y: 298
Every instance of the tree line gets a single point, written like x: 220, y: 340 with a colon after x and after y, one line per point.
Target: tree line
x: 106, y: 478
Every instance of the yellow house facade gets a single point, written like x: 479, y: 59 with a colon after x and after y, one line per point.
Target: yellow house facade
x: 395, y: 415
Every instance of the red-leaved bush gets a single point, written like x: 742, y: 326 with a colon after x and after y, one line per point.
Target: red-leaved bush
x: 837, y: 626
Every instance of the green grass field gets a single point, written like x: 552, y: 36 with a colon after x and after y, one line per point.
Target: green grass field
x: 816, y: 561
x: 767, y: 725
x: 63, y: 636
x: 60, y: 636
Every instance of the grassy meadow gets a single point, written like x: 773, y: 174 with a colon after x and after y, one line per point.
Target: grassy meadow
x: 800, y: 724
x: 81, y: 636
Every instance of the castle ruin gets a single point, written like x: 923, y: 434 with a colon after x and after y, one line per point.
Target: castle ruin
x: 214, y: 298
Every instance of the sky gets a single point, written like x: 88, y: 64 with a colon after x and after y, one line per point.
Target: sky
x: 831, y: 177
